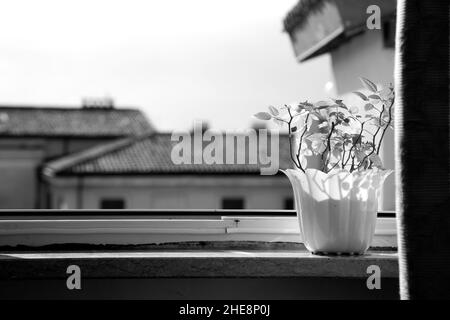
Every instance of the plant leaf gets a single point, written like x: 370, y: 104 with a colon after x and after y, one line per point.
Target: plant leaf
x: 368, y: 106
x: 305, y: 105
x: 337, y: 153
x: 354, y: 110
x: 303, y: 161
x: 307, y: 152
x: 360, y: 155
x: 278, y: 121
x: 323, y: 124
x: 385, y: 93
x: 369, y: 85
x: 263, y: 116
x: 318, y: 146
x: 316, y: 137
x: 376, y: 160
x: 361, y: 95
x: 322, y: 104
x: 274, y: 111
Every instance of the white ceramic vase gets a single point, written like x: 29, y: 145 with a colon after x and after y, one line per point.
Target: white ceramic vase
x: 337, y: 211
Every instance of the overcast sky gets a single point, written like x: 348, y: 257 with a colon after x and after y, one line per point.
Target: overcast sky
x: 177, y: 60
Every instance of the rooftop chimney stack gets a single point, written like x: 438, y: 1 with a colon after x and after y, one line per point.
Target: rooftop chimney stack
x: 98, y: 103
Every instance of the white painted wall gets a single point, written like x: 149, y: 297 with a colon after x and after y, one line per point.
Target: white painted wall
x: 364, y: 55
x: 171, y: 192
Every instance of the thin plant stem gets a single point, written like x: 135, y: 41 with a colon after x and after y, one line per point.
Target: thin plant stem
x: 301, y: 138
x: 356, y: 142
x: 298, y: 165
x: 387, y: 125
x: 328, y: 147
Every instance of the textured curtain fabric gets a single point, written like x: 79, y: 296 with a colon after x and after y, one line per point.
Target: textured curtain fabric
x: 422, y: 148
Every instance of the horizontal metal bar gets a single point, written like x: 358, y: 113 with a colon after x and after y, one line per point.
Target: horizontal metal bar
x: 142, y: 213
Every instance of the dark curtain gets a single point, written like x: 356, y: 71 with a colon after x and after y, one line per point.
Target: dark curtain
x: 422, y: 146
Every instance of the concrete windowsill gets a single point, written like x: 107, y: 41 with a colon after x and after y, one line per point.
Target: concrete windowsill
x: 192, y: 261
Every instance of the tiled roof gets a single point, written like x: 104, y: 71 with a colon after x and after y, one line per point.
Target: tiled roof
x: 298, y: 14
x: 146, y: 155
x: 74, y: 122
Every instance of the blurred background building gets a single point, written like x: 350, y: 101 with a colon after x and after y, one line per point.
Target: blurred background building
x: 102, y: 157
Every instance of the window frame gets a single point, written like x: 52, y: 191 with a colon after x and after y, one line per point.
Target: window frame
x: 111, y: 200
x: 289, y: 202
x: 233, y: 201
x: 46, y: 227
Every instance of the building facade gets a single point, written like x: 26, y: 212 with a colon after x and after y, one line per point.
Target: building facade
x: 109, y: 158
x: 139, y: 173
x: 31, y: 136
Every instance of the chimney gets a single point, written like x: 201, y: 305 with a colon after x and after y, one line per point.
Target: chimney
x: 98, y: 103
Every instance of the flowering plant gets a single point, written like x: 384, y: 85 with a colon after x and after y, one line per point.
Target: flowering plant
x: 340, y: 136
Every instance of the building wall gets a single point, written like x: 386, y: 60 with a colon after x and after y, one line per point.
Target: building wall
x: 362, y: 56
x: 20, y: 159
x: 171, y: 192
x: 366, y: 56
x: 18, y: 180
